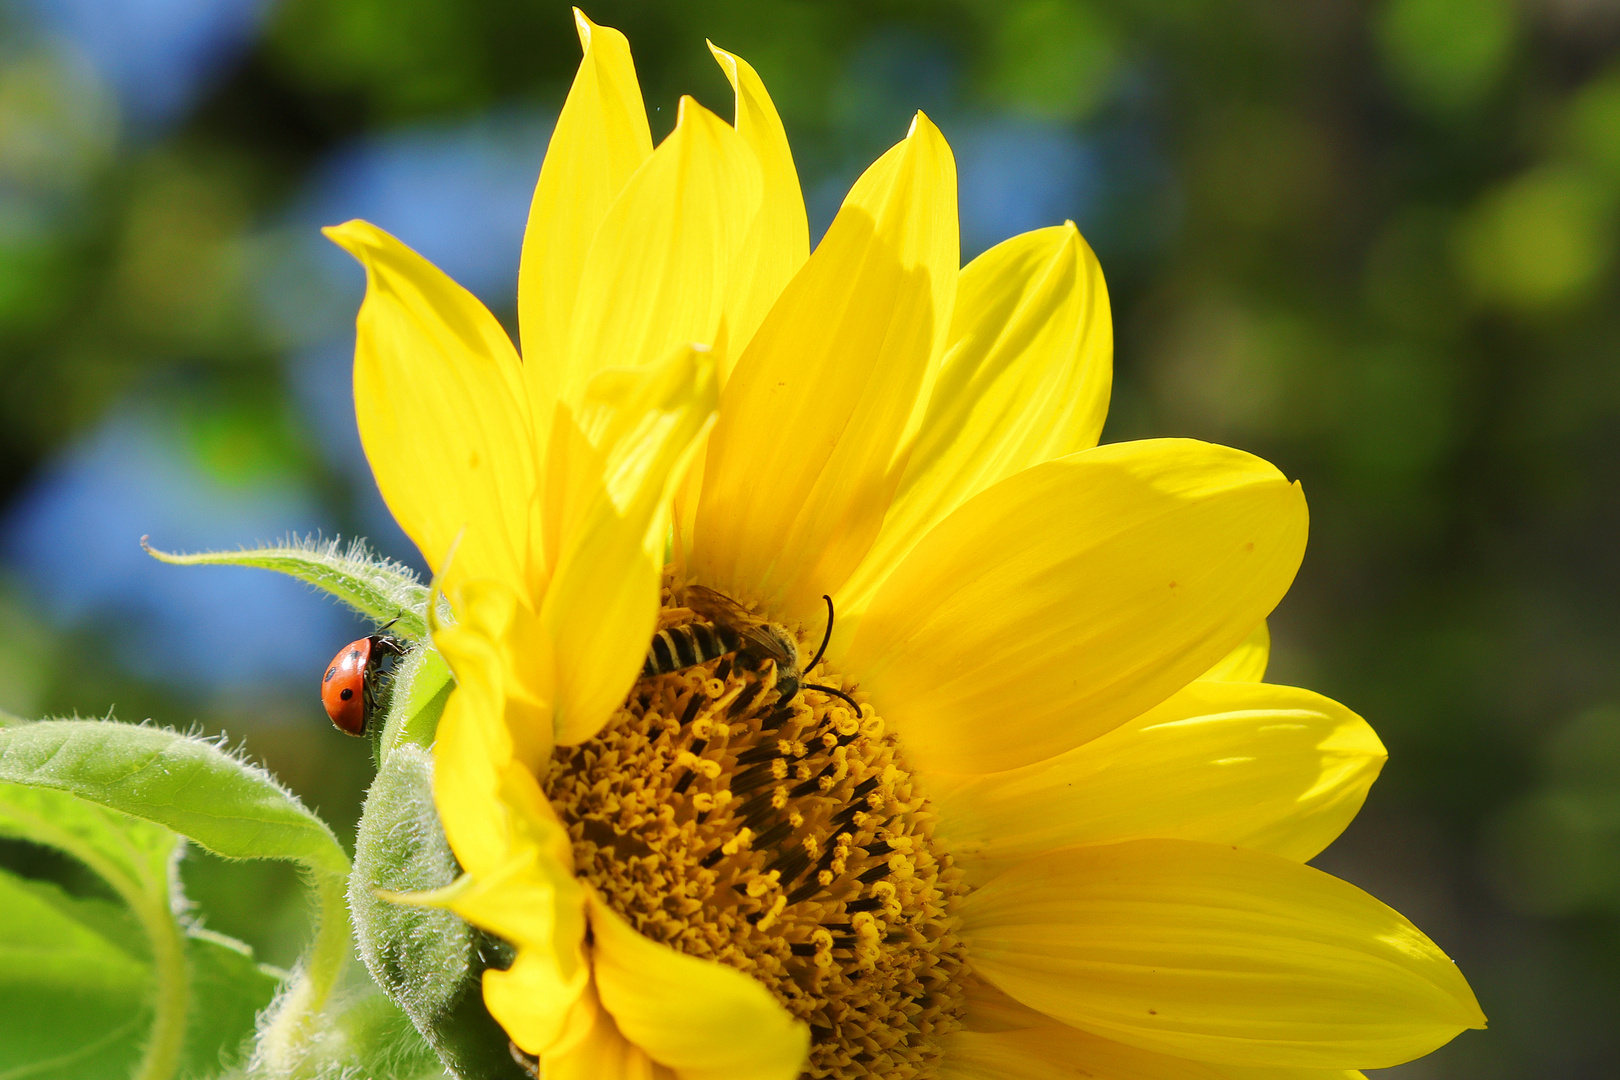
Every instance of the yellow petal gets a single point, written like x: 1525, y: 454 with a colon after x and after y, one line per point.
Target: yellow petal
x: 518, y: 856
x: 988, y: 1009
x: 1003, y: 1040
x: 497, y: 621
x: 533, y: 998
x: 540, y: 1012
x: 613, y: 467
x: 522, y: 886
x: 603, y: 1053
x: 489, y: 745
x: 1247, y: 662
x: 1250, y: 1072
x: 471, y: 745
x: 657, y: 273
x: 1273, y: 768
x: 1025, y: 379
x: 496, y: 703
x: 1063, y: 601
x: 1055, y: 1052
x: 1216, y: 953
x: 778, y: 239
x: 601, y: 138
x: 818, y: 412
x: 704, y: 1020
x: 439, y: 396
x: 532, y: 898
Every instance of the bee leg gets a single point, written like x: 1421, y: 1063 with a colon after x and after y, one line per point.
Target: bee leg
x: 787, y: 687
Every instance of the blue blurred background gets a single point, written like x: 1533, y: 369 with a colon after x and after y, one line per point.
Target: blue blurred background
x: 1374, y: 242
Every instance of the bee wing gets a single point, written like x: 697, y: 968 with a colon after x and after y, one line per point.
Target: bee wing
x: 718, y: 607
x: 722, y: 609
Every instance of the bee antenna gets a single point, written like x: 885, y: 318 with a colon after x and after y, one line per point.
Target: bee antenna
x: 836, y: 693
x: 826, y: 637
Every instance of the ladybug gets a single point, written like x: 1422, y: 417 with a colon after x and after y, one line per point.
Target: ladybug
x: 349, y: 687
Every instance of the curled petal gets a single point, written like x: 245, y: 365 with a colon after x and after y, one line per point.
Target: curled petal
x: 613, y: 467
x: 443, y: 416
x: 704, y: 1020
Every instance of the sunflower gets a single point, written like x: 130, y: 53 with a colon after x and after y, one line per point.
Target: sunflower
x: 828, y: 701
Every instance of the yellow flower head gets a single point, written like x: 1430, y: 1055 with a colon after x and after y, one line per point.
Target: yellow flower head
x: 1029, y: 813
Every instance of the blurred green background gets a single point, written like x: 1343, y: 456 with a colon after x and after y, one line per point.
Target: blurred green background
x: 1373, y: 242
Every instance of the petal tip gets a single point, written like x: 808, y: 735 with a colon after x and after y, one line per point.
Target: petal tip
x: 353, y: 236
x: 922, y: 125
x: 691, y: 113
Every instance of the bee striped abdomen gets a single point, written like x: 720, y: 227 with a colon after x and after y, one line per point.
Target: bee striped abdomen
x: 687, y: 646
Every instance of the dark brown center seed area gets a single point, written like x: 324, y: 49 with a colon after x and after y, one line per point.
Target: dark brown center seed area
x: 785, y: 840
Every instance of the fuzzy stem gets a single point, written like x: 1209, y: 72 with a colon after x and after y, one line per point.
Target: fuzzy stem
x: 289, y: 1029
x: 172, y: 995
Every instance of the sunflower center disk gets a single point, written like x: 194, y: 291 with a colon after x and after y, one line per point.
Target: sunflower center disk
x: 784, y: 839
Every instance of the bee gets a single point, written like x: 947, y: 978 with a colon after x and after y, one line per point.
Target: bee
x: 732, y: 628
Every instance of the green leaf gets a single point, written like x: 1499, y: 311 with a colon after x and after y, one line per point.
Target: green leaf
x: 134, y: 858
x: 228, y: 991
x: 224, y: 805
x: 191, y: 786
x: 75, y: 998
x: 75, y: 980
x: 380, y: 588
x: 121, y: 849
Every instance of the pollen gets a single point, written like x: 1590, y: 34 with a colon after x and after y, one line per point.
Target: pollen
x: 786, y: 839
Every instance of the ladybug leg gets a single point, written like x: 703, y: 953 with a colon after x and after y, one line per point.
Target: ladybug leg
x: 370, y: 694
x: 389, y: 643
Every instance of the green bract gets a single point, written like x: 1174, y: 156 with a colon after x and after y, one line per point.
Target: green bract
x: 373, y: 586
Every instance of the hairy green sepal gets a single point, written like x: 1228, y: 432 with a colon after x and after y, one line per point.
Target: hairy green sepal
x: 362, y: 1036
x: 427, y: 959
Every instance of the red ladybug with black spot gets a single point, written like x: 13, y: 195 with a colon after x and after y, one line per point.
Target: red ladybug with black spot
x: 349, y: 687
